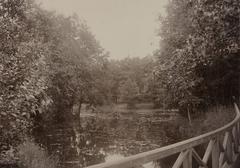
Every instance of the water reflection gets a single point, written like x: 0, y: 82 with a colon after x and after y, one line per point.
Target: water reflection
x: 113, y: 157
x: 101, y: 139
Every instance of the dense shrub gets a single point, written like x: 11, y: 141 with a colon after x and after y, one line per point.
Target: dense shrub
x: 198, y: 62
x: 32, y: 156
x: 215, y: 117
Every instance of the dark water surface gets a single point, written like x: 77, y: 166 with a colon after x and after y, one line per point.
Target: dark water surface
x: 100, y: 139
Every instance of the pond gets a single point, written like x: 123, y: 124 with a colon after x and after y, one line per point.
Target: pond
x: 100, y: 139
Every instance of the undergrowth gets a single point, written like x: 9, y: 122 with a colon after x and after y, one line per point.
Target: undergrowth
x: 215, y: 117
x: 32, y: 156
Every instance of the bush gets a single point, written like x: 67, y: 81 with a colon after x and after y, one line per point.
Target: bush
x: 215, y: 117
x: 32, y: 156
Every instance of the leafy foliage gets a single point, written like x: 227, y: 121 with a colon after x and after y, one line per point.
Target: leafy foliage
x: 46, y: 59
x: 199, y: 54
x: 130, y: 78
x: 33, y: 156
x: 22, y: 68
x: 77, y: 65
x: 129, y: 91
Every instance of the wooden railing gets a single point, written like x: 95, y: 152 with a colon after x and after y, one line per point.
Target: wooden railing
x: 222, y: 150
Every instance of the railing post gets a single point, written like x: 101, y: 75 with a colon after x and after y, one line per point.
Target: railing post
x: 238, y: 135
x: 230, y: 148
x: 187, y: 163
x: 238, y: 132
x: 235, y: 139
x: 215, y: 154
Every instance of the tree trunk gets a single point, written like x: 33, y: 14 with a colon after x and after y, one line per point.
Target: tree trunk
x: 189, y: 117
x: 79, y: 113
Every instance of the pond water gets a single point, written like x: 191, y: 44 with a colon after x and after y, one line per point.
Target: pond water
x: 101, y: 139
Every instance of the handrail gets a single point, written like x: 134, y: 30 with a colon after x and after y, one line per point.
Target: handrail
x: 221, y: 152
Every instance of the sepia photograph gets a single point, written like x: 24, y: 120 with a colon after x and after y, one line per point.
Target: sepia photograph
x: 119, y: 83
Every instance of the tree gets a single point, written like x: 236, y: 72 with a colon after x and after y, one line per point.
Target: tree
x: 48, y: 64
x: 129, y: 91
x: 77, y: 64
x: 139, y: 70
x: 23, y: 69
x: 199, y: 53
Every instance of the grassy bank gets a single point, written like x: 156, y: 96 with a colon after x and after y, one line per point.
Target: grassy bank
x: 215, y: 117
x: 29, y: 155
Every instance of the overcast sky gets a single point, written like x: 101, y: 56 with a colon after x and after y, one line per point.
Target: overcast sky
x: 123, y: 27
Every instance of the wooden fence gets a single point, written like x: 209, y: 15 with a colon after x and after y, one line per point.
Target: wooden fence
x: 222, y: 150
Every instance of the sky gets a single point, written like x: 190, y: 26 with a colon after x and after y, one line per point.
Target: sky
x: 123, y: 27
